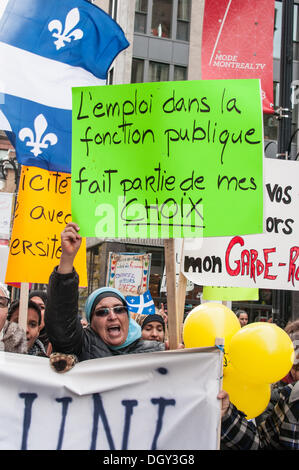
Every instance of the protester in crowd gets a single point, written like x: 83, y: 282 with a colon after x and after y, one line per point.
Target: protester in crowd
x: 39, y: 297
x: 278, y: 426
x: 111, y: 330
x: 153, y: 328
x: 12, y: 337
x: 34, y: 346
x: 243, y: 317
x: 280, y: 430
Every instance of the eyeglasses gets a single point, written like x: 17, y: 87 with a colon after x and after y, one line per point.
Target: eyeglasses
x: 104, y: 311
x: 4, y: 301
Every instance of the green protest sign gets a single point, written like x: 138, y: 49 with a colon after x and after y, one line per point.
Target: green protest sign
x: 230, y: 293
x: 168, y: 159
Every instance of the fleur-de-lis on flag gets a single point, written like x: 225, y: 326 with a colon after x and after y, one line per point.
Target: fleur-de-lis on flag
x: 42, y: 140
x: 69, y: 33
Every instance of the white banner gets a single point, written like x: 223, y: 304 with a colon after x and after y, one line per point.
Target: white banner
x: 269, y: 260
x: 150, y: 401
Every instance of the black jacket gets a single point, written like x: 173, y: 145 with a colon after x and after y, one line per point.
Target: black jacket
x: 64, y: 328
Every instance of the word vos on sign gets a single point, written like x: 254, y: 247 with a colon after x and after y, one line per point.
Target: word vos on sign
x: 278, y: 194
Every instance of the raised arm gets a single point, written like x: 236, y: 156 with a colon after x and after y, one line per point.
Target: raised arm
x: 61, y: 316
x: 70, y: 244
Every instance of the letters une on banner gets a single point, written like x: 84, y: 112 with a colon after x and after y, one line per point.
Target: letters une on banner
x: 147, y: 401
x: 42, y: 211
x: 269, y: 260
x: 168, y: 159
x: 237, y: 42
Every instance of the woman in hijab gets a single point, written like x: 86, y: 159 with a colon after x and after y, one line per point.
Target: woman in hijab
x: 111, y: 330
x: 153, y: 328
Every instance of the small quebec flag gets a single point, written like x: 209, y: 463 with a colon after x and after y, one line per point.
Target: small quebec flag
x: 143, y: 303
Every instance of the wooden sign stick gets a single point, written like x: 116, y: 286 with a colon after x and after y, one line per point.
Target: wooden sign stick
x: 220, y: 342
x: 23, y: 310
x: 173, y: 324
x: 181, y: 294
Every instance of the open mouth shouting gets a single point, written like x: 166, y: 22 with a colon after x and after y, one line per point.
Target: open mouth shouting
x: 111, y: 321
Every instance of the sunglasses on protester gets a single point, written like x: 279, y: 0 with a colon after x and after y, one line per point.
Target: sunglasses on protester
x: 4, y: 302
x: 104, y: 311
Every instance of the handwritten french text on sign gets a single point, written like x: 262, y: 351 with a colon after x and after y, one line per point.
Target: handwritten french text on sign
x: 138, y: 401
x: 129, y: 272
x: 269, y: 260
x: 168, y: 159
x: 43, y: 209
x: 237, y: 42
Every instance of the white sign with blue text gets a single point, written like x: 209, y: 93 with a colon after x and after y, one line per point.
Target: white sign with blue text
x: 154, y: 401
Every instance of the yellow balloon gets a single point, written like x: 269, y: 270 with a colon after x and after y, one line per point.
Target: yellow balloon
x: 207, y: 322
x: 250, y: 398
x: 261, y: 352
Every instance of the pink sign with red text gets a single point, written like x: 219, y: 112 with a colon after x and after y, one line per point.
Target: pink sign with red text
x: 237, y: 42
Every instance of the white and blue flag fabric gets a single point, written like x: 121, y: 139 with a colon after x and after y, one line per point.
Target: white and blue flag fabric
x: 46, y: 48
x: 143, y: 303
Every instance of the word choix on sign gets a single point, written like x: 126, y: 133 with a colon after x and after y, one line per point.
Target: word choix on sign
x: 168, y: 159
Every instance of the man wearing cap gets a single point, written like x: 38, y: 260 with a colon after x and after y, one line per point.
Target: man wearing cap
x: 111, y: 330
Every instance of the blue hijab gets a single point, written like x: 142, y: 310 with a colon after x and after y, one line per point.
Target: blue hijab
x: 134, y: 331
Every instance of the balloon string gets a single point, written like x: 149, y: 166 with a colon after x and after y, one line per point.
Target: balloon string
x: 221, y: 347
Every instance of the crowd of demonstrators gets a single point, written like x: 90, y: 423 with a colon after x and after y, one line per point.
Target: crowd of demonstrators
x: 12, y: 337
x: 34, y: 346
x: 110, y: 331
x: 278, y: 426
x: 243, y: 317
x: 54, y: 324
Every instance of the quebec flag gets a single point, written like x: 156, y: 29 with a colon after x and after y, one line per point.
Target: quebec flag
x: 143, y: 303
x: 46, y: 48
